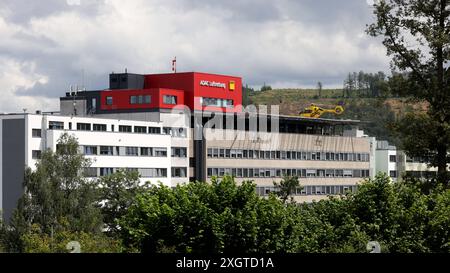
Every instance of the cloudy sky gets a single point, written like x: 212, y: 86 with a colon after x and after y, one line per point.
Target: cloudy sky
x: 46, y: 45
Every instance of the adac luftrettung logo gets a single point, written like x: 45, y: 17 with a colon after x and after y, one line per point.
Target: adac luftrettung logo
x: 231, y: 84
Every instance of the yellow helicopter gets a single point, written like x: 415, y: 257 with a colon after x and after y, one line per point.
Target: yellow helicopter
x: 314, y: 111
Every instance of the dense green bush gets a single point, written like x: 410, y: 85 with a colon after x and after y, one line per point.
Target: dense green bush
x: 226, y: 218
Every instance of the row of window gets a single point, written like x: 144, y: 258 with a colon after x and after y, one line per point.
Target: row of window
x: 132, y: 151
x: 311, y: 190
x: 417, y: 159
x: 286, y: 155
x: 170, y: 99
x: 125, y: 151
x: 57, y: 125
x: 146, y: 99
x: 266, y: 172
x: 143, y: 172
x: 216, y: 102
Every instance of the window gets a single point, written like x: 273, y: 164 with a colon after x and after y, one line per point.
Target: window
x: 83, y: 126
x: 310, y: 173
x: 179, y: 172
x: 179, y: 152
x: 348, y: 173
x: 180, y: 132
x: 90, y: 150
x: 131, y: 151
x: 140, y: 129
x: 109, y: 100
x: 228, y: 103
x: 106, y: 171
x: 154, y: 130
x: 393, y: 174
x: 217, y: 102
x: 106, y: 150
x: 36, y: 133
x: 125, y: 128
x: 99, y: 127
x: 262, y: 172
x: 160, y: 152
x: 329, y: 173
x: 209, y: 102
x: 56, y: 125
x: 167, y: 99
x: 90, y: 172
x: 153, y: 172
x: 36, y: 154
x: 356, y: 173
x: 392, y: 158
x: 142, y: 99
x: 145, y: 151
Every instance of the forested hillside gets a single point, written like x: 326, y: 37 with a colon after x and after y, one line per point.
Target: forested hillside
x: 375, y: 113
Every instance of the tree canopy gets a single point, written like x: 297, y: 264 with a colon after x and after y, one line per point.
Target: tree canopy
x: 223, y: 217
x: 416, y: 35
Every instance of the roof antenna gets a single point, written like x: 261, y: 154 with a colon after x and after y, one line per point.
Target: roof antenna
x: 126, y: 70
x: 82, y: 79
x: 174, y: 65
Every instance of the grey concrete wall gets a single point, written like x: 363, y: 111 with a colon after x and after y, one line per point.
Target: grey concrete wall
x: 13, y: 164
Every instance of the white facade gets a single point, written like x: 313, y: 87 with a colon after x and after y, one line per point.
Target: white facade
x: 395, y: 163
x: 386, y: 162
x: 120, y: 149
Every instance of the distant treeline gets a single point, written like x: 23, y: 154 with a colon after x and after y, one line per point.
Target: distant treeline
x: 355, y: 85
x: 363, y: 84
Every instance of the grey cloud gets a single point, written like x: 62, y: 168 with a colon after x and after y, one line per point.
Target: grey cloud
x: 262, y: 41
x: 22, y: 11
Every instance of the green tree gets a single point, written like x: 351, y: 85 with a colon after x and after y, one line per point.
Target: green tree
x: 220, y: 217
x: 287, y: 187
x: 36, y: 241
x: 417, y: 36
x: 223, y: 217
x: 266, y: 87
x: 319, y: 89
x: 349, y: 85
x: 117, y: 192
x: 57, y: 197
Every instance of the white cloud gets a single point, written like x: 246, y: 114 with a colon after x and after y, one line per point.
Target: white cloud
x: 14, y: 75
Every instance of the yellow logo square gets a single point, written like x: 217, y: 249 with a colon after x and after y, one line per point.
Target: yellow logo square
x: 232, y: 85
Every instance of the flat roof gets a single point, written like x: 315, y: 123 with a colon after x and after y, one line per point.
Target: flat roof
x: 293, y: 119
x: 194, y: 72
x: 320, y: 120
x: 297, y: 119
